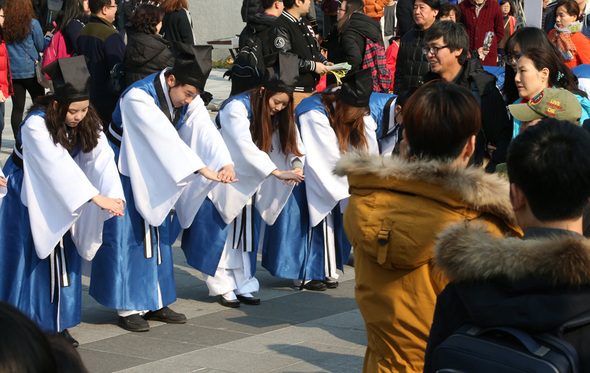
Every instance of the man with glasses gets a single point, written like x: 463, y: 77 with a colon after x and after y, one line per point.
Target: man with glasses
x: 411, y: 64
x: 447, y: 51
x: 103, y: 47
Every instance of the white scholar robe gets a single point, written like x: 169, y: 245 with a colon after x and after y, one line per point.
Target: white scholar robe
x: 156, y: 160
x: 57, y: 190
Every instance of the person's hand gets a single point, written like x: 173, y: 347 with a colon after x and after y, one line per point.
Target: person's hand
x: 209, y: 174
x: 289, y: 177
x: 483, y: 52
x: 2, y: 98
x: 297, y: 171
x: 114, y: 205
x: 320, y: 68
x: 2, y: 182
x: 227, y: 174
x: 491, y: 148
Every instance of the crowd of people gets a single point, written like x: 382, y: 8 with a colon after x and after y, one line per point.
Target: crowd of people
x: 109, y: 169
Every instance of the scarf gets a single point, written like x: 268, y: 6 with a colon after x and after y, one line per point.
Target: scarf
x: 563, y: 39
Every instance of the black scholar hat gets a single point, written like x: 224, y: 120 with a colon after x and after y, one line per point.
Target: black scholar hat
x: 282, y: 69
x: 357, y: 88
x: 71, y: 79
x: 193, y: 64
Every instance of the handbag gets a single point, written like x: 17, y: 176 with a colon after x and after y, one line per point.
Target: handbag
x: 41, y: 78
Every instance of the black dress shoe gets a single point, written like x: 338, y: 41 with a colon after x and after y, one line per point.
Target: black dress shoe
x: 331, y: 283
x: 229, y: 303
x: 165, y: 315
x: 134, y: 323
x: 69, y: 338
x: 253, y: 301
x: 315, y: 285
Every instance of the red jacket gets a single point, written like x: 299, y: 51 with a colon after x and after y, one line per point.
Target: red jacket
x: 582, y: 44
x: 490, y: 19
x: 5, y: 77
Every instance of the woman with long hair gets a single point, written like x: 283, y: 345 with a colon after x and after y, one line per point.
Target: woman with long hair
x: 147, y: 51
x: 567, y: 36
x: 259, y: 130
x: 521, y: 41
x: 177, y: 24
x: 24, y: 41
x: 62, y: 185
x: 536, y: 71
x: 332, y: 124
x: 397, y: 207
x: 347, y: 41
x: 69, y: 21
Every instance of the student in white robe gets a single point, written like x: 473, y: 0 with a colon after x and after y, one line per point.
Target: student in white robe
x: 331, y: 124
x: 133, y: 271
x: 259, y: 130
x: 62, y: 185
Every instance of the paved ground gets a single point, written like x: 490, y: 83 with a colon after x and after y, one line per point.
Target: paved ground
x: 291, y: 331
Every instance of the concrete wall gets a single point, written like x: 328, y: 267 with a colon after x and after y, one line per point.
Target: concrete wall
x: 214, y: 19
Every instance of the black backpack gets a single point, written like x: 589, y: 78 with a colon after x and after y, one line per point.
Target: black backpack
x: 508, y: 350
x: 248, y: 67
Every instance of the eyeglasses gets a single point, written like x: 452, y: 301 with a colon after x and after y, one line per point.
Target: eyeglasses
x: 113, y: 6
x: 432, y: 50
x: 510, y: 59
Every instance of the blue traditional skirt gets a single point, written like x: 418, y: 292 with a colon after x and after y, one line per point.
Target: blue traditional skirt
x: 130, y: 265
x: 49, y: 291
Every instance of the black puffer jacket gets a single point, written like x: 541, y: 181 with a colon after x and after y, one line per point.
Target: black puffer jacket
x: 495, y: 124
x: 260, y: 25
x: 146, y: 54
x: 411, y: 64
x: 352, y: 40
x: 250, y: 8
x: 535, y: 284
x: 177, y: 26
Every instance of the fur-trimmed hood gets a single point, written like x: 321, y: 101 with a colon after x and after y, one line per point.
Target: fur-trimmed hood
x: 471, y: 186
x: 467, y: 253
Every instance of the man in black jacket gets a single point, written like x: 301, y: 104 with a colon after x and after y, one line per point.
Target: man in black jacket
x: 541, y: 282
x: 411, y: 62
x: 447, y: 49
x: 293, y: 34
x: 260, y: 25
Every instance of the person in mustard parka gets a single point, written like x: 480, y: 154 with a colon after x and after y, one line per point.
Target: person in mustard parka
x: 397, y: 207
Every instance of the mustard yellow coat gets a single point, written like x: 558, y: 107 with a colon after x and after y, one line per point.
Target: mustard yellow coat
x: 394, y: 214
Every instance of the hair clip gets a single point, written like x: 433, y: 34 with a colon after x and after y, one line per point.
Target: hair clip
x: 559, y: 75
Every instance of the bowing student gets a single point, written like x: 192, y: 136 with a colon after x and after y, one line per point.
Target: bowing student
x: 331, y: 124
x: 62, y: 185
x: 133, y: 271
x: 259, y: 130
